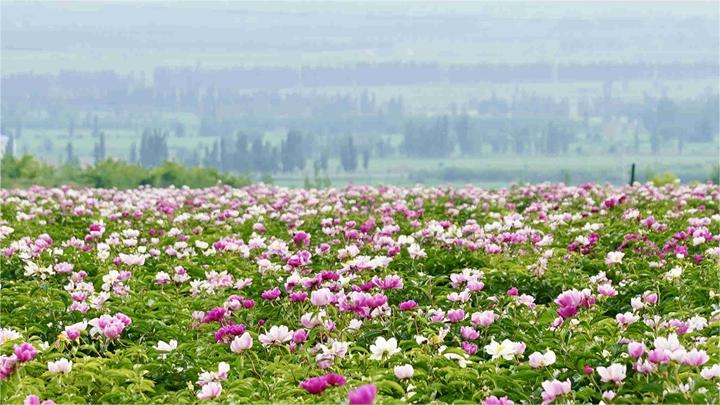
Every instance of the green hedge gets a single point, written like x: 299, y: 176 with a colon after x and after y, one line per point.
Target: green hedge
x: 28, y: 171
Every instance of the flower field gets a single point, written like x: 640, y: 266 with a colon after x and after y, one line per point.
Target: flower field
x: 530, y: 294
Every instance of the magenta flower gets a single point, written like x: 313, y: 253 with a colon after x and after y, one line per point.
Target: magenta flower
x: 335, y: 379
x: 408, y: 305
x: 228, y: 332
x: 363, y: 395
x: 300, y: 336
x: 314, y: 385
x: 299, y: 296
x: 25, y: 352
x: 215, y: 314
x: 271, y: 295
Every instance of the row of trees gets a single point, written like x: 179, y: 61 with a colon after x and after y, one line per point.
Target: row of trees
x: 245, y: 154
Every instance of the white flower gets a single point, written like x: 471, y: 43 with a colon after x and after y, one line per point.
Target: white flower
x: 33, y: 270
x: 63, y: 366
x: 614, y: 258
x: 462, y: 361
x: 674, y: 273
x: 670, y: 344
x: 354, y: 325
x: 383, y: 348
x: 276, y: 335
x: 7, y: 334
x: 404, y: 371
x: 166, y: 347
x: 416, y: 251
x: 506, y: 349
x: 709, y: 373
x: 697, y: 323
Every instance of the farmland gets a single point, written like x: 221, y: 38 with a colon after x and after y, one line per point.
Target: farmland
x: 264, y: 294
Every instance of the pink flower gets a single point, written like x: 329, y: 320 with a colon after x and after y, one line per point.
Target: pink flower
x: 241, y: 343
x: 658, y: 356
x: 644, y: 367
x: 210, y: 391
x: 404, y: 371
x: 553, y: 389
x: 321, y: 297
x: 607, y: 290
x: 493, y: 400
x: 485, y: 318
x: 615, y: 373
x: 25, y: 352
x: 64, y: 267
x: 650, y: 297
x: 626, y: 318
x: 608, y: 395
x: 695, y: 358
x: 389, y: 282
x: 455, y: 315
x: 7, y: 366
x: 469, y: 333
x: 469, y: 348
x: 132, y: 260
x: 363, y: 395
x: 35, y: 400
x: 636, y: 349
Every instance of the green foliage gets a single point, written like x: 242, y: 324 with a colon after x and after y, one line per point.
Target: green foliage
x: 27, y: 171
x: 663, y: 179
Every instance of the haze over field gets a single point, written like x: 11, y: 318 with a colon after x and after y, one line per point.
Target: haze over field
x: 381, y: 92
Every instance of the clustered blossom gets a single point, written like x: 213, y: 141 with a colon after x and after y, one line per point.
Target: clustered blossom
x: 388, y: 286
x: 108, y: 326
x: 209, y: 382
x: 316, y: 385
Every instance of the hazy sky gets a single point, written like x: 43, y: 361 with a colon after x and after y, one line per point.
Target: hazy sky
x: 133, y: 36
